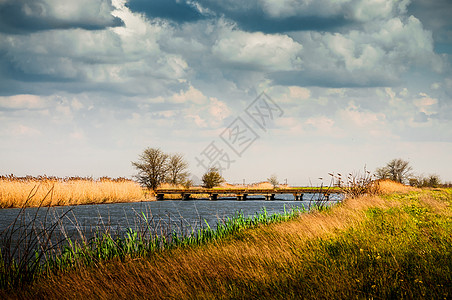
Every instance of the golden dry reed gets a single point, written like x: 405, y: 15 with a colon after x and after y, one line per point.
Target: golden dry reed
x: 50, y: 191
x: 282, y: 261
x: 387, y: 186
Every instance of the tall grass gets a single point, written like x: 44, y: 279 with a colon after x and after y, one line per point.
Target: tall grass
x: 32, y: 247
x: 142, y: 243
x: 392, y: 246
x: 356, y: 184
x: 388, y: 186
x: 66, y: 191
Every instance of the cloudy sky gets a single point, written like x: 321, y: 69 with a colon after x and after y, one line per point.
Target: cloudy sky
x: 87, y: 85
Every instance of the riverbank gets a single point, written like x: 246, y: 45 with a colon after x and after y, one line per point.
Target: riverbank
x: 51, y: 191
x: 396, y: 245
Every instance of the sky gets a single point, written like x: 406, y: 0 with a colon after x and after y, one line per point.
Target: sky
x: 298, y: 89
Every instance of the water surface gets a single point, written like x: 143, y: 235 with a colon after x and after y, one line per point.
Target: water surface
x: 160, y: 217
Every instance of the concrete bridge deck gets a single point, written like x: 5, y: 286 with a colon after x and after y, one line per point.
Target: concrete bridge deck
x: 242, y: 193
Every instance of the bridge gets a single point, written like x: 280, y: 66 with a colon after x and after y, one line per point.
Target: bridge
x: 242, y: 193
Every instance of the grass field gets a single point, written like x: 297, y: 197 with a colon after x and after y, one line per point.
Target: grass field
x: 396, y: 245
x: 50, y: 191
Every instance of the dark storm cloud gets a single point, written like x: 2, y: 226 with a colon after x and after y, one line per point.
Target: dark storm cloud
x: 263, y: 23
x: 251, y: 16
x: 177, y: 11
x: 23, y: 16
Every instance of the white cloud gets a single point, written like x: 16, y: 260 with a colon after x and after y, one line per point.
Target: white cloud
x: 76, y: 104
x: 299, y: 92
x: 426, y: 104
x: 208, y: 115
x: 323, y: 124
x: 218, y: 109
x: 401, y: 43
x: 361, y: 118
x: 191, y: 95
x: 368, y: 10
x: 153, y: 83
x: 200, y: 122
x: 288, y: 94
x: 289, y: 126
x: 29, y: 16
x: 279, y: 8
x: 377, y: 53
x: 84, y: 11
x: 403, y: 92
x: 257, y: 51
x: 25, y: 102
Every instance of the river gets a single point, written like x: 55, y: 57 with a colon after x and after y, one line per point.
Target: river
x: 162, y: 216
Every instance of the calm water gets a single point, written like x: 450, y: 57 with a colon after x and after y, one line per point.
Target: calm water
x: 163, y: 216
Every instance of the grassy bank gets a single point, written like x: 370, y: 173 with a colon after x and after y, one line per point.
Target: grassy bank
x: 29, y: 253
x: 396, y: 245
x: 45, y: 191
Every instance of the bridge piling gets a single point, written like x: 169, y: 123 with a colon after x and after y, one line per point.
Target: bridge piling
x: 241, y: 197
x: 298, y: 197
x: 270, y: 197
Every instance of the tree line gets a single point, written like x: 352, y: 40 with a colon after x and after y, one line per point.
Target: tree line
x: 156, y: 167
x: 400, y: 170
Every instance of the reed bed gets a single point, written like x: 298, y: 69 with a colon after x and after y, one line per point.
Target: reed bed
x: 15, y: 191
x: 34, y: 248
x: 391, y: 246
x: 388, y: 186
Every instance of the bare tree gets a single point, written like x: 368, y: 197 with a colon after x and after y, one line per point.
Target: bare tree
x: 212, y: 178
x: 177, y: 169
x: 273, y: 180
x: 397, y: 170
x: 432, y: 180
x: 382, y: 173
x: 152, y: 167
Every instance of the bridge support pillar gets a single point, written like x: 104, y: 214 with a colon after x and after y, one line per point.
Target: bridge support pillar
x: 160, y: 196
x: 270, y: 197
x: 241, y: 197
x: 213, y: 197
x: 298, y: 197
x: 327, y: 196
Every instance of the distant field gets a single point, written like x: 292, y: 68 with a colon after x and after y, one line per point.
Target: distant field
x: 52, y: 191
